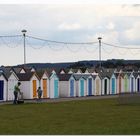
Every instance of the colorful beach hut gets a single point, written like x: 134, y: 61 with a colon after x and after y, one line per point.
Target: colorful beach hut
x: 67, y: 86
x: 126, y: 82
x: 80, y: 85
x: 113, y: 84
x: 53, y: 84
x: 89, y: 84
x: 120, y: 83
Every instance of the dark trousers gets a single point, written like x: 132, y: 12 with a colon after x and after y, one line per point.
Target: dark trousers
x: 15, y: 97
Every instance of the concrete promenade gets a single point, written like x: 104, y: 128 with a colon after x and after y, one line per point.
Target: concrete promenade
x: 63, y: 99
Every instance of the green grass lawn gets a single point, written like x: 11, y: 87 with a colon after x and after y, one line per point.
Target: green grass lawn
x: 88, y: 117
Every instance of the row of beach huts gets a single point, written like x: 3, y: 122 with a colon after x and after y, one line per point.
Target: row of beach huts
x: 67, y: 82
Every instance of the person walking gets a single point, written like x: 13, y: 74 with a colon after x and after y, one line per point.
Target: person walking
x: 16, y: 91
x: 39, y: 91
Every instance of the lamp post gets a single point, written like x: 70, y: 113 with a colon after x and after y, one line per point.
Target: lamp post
x: 99, y: 38
x: 24, y: 36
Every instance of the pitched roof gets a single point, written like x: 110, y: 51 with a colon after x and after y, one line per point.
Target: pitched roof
x: 25, y: 76
x: 8, y: 71
x: 86, y: 75
x: 64, y: 77
x: 17, y: 69
x: 136, y: 74
x: 94, y: 76
x: 41, y: 72
x: 1, y: 73
x: 91, y: 70
x: 78, y: 76
x: 103, y: 72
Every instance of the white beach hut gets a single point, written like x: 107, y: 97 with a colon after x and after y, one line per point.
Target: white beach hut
x: 137, y: 82
x: 44, y: 82
x: 67, y: 86
x: 29, y: 84
x: 98, y: 86
x: 12, y: 81
x: 132, y: 82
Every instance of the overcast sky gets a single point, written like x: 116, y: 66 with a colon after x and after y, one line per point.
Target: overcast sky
x: 116, y: 24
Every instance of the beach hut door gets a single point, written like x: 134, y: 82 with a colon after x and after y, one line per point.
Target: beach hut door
x: 82, y: 87
x: 71, y: 88
x: 113, y: 85
x: 119, y: 84
x: 1, y: 89
x: 97, y: 86
x: 125, y: 84
x: 132, y: 84
x: 34, y: 89
x: 89, y: 86
x: 44, y: 88
x: 55, y: 88
x: 138, y: 84
x: 105, y: 86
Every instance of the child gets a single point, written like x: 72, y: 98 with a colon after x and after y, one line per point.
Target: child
x: 39, y: 91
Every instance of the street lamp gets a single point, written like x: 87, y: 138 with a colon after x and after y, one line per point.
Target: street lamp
x: 24, y: 35
x: 99, y: 38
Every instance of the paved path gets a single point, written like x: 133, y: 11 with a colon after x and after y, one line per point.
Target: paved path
x: 64, y: 99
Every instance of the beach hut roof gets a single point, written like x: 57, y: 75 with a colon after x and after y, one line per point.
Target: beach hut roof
x: 26, y: 76
x: 8, y: 71
x: 1, y: 73
x: 94, y: 76
x: 66, y: 70
x: 136, y: 74
x: 41, y: 72
x: 86, y: 75
x: 17, y: 69
x: 78, y: 76
x: 64, y: 77
x: 92, y: 70
x: 50, y: 71
x: 109, y: 72
x: 75, y: 70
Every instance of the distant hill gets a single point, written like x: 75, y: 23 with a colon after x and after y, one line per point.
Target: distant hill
x: 86, y: 63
